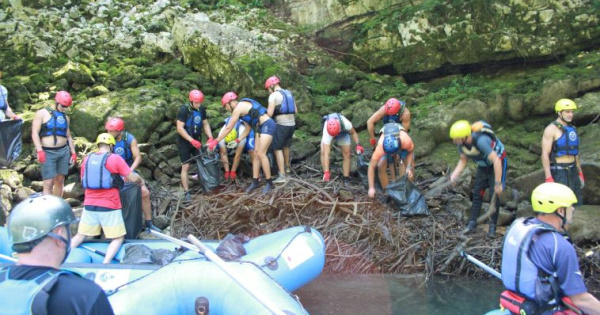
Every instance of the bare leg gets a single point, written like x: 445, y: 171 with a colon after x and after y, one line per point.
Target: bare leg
x: 383, y: 178
x: 224, y: 158
x: 263, y: 142
x: 112, y: 249
x: 346, y: 161
x: 280, y: 161
x: 77, y: 240
x: 325, y: 148
x: 184, y: 176
x: 146, y: 206
x: 47, y: 186
x: 59, y: 181
x: 286, y: 157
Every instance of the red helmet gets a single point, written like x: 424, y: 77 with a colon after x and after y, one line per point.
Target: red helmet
x: 63, y: 98
x: 271, y: 81
x: 114, y: 124
x: 228, y: 97
x: 393, y: 106
x: 333, y: 127
x: 196, y: 96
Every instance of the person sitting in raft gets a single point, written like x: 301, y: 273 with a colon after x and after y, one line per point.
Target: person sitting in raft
x: 394, y: 142
x: 101, y: 173
x: 339, y: 128
x: 239, y: 140
x: 256, y: 116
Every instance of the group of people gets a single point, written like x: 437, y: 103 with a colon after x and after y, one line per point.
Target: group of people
x: 539, y: 263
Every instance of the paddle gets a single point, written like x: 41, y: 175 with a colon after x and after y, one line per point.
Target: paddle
x: 101, y: 253
x: 8, y: 258
x: 239, y: 279
x: 481, y: 265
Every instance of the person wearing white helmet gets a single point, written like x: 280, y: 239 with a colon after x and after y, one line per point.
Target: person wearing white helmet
x: 560, y: 149
x: 51, y: 136
x: 539, y: 263
x: 39, y: 228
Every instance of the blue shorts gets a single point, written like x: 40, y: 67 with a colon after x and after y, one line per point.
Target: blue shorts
x: 267, y: 128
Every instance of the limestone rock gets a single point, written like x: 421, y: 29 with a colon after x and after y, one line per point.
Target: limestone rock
x: 75, y: 72
x: 11, y: 178
x: 21, y: 194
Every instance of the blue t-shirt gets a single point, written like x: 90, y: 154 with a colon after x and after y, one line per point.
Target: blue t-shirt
x: 564, y: 261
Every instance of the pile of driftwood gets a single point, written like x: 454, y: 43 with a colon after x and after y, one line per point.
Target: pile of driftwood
x: 362, y: 235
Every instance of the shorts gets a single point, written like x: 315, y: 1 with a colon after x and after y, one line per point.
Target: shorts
x: 283, y: 137
x: 186, y: 151
x: 568, y: 174
x: 93, y: 222
x: 267, y: 128
x: 57, y: 162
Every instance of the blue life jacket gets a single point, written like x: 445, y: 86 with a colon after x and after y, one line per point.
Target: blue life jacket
x: 193, y: 123
x: 519, y: 273
x: 3, y: 103
x: 288, y: 106
x: 337, y: 116
x: 254, y: 113
x: 568, y: 143
x: 395, y: 118
x: 123, y: 147
x: 97, y: 176
x: 56, y: 126
x: 28, y: 296
x: 475, y: 154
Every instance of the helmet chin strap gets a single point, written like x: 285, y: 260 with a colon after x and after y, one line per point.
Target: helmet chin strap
x: 66, y: 241
x: 561, y: 118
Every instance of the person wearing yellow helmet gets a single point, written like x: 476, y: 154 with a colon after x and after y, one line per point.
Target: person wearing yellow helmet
x: 240, y: 139
x: 560, y: 149
x: 538, y: 262
x: 479, y: 143
x: 101, y: 173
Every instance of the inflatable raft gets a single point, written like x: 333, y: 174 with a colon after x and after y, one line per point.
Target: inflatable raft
x: 274, y: 265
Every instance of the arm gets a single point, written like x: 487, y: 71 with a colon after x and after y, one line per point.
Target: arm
x: 71, y: 143
x: 354, y: 135
x: 462, y: 163
x: 271, y: 106
x: 547, y: 140
x: 9, y: 112
x: 371, y: 172
x: 235, y: 116
x: 587, y: 303
x: 135, y: 178
x: 409, y: 163
x: 181, y: 131
x: 406, y: 119
x: 137, y: 156
x: 497, y: 162
x: 372, y: 121
x: 206, y: 127
x: 36, y: 125
x: 246, y: 132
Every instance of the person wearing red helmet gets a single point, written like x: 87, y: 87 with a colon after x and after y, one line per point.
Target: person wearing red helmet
x: 126, y: 146
x: 393, y: 142
x: 251, y: 112
x: 5, y: 111
x: 282, y: 107
x: 394, y: 110
x: 191, y: 121
x: 53, y: 142
x: 338, y: 128
x: 560, y: 150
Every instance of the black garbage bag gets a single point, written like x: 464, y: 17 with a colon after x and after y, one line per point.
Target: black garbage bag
x: 232, y: 247
x: 138, y: 254
x: 408, y: 198
x: 10, y: 141
x: 209, y: 170
x: 362, y: 166
x: 131, y: 206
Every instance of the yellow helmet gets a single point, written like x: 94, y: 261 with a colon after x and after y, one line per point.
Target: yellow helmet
x: 231, y: 136
x: 548, y: 197
x: 460, y: 129
x: 105, y: 138
x: 563, y: 104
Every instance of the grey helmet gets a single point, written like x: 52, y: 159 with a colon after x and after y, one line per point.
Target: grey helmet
x: 36, y: 216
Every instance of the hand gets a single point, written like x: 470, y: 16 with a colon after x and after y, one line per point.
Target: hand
x: 16, y: 117
x: 409, y: 172
x: 373, y: 142
x: 360, y: 149
x: 196, y: 144
x: 227, y: 175
x: 371, y: 192
x: 498, y: 190
x: 232, y: 175
x: 233, y: 144
x: 73, y: 158
x: 453, y: 179
x: 212, y: 144
x: 41, y: 156
x: 550, y: 180
x: 582, y: 179
x: 326, y: 176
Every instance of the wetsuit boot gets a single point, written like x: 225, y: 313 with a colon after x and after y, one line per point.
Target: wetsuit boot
x: 471, y: 227
x: 252, y: 186
x: 492, y: 231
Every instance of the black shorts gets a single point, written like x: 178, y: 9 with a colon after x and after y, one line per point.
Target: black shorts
x: 283, y: 137
x: 186, y: 150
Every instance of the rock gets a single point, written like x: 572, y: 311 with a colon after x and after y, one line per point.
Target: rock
x: 75, y: 72
x: 73, y: 191
x: 161, y: 221
x: 585, y: 224
x: 37, y: 186
x: 5, y: 199
x: 169, y: 151
x: 73, y: 202
x: 21, y: 194
x: 161, y: 177
x: 33, y: 171
x: 11, y: 178
x: 153, y: 44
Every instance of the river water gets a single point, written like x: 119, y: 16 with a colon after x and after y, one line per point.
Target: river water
x: 399, y: 294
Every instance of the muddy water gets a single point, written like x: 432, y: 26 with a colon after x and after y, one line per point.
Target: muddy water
x: 394, y: 294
